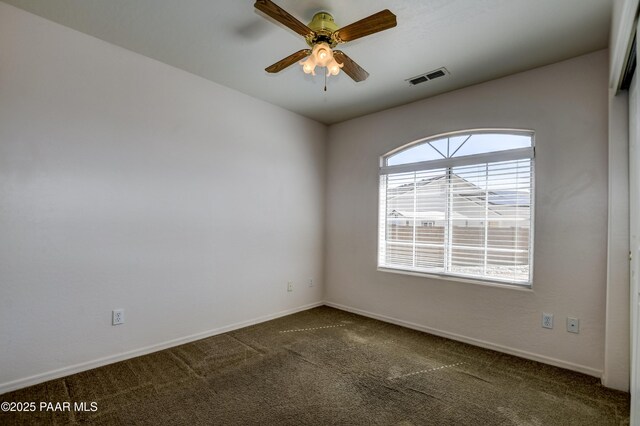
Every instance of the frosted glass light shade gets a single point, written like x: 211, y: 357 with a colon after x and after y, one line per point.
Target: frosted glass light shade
x: 333, y: 68
x: 309, y: 65
x: 322, y: 54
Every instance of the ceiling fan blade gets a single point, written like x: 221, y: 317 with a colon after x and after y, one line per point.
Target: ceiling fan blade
x: 375, y: 23
x: 353, y: 70
x: 279, y: 14
x: 289, y: 60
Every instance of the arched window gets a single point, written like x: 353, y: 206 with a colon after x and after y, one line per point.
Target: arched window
x: 460, y: 205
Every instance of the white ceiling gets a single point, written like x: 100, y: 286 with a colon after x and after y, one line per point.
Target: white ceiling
x: 229, y: 42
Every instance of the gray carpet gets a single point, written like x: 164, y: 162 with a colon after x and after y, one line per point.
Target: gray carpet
x: 327, y: 367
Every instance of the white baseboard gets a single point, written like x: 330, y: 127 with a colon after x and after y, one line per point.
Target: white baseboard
x: 476, y: 342
x: 77, y: 368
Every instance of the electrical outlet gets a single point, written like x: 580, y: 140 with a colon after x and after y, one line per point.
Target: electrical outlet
x: 290, y: 286
x: 117, y: 317
x: 573, y: 325
x: 547, y: 320
x: 310, y: 282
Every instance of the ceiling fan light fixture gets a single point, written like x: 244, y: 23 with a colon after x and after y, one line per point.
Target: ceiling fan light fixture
x: 321, y: 56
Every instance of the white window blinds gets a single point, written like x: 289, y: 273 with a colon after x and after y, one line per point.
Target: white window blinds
x: 469, y: 216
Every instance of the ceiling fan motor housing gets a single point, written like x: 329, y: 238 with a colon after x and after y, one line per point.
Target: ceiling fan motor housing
x: 323, y: 26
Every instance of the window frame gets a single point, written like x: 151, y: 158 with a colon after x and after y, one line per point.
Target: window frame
x: 495, y: 156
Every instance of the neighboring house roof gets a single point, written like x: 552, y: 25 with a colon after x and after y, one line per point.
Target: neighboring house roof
x: 512, y: 198
x: 432, y: 215
x: 408, y: 187
x: 473, y: 193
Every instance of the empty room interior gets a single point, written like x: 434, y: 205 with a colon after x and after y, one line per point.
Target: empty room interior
x: 385, y: 212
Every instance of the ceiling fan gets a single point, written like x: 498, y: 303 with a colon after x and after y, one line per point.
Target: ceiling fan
x: 322, y: 35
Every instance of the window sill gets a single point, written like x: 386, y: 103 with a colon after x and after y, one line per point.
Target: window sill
x: 499, y: 284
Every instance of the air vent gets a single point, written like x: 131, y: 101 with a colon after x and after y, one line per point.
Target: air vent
x: 418, y: 80
x: 435, y: 74
x: 431, y: 75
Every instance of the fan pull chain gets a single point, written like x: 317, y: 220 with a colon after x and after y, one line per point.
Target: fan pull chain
x: 325, y: 82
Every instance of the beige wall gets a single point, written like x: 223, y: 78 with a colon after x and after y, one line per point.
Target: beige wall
x: 126, y: 183
x: 566, y: 105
